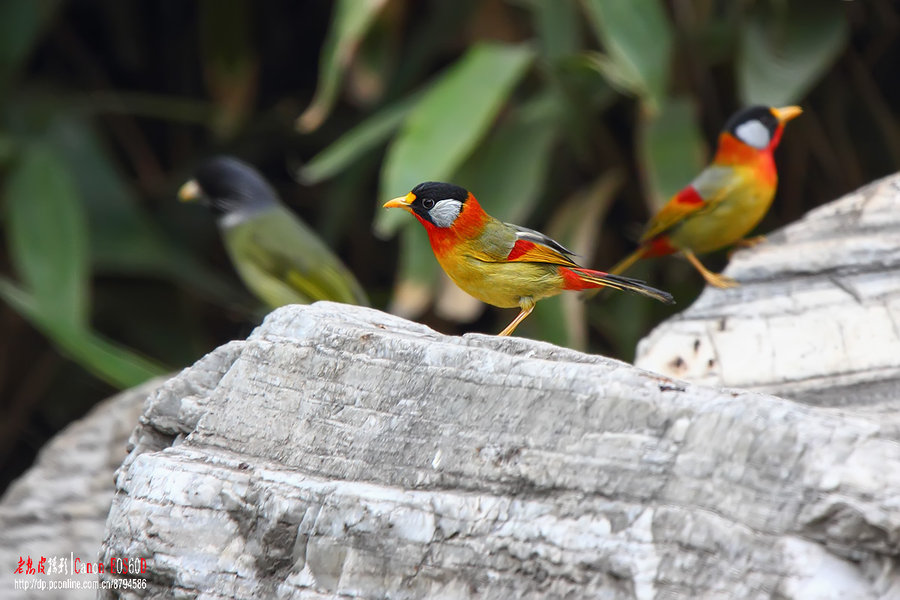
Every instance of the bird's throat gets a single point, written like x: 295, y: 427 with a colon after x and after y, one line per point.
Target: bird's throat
x: 733, y: 152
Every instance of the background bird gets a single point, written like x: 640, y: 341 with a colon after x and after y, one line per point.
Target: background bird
x: 279, y: 258
x: 498, y: 263
x: 726, y: 200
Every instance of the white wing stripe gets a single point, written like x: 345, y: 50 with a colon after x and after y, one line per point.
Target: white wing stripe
x: 523, y: 233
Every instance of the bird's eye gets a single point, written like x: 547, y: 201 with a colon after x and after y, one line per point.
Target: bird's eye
x: 427, y: 203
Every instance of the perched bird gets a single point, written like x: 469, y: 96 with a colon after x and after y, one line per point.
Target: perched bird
x: 279, y: 258
x: 498, y: 263
x: 726, y: 200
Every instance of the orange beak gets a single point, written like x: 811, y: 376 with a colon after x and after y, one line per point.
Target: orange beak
x: 401, y: 202
x: 787, y: 113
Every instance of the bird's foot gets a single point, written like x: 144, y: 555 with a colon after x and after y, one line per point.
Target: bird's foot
x: 714, y: 279
x: 749, y: 242
x: 720, y: 281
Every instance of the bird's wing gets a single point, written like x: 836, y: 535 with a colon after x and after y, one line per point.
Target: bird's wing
x: 282, y: 247
x: 535, y: 247
x: 709, y: 188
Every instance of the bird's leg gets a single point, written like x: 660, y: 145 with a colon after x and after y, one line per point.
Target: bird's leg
x: 527, y: 305
x: 713, y: 279
x: 750, y: 241
x: 747, y: 243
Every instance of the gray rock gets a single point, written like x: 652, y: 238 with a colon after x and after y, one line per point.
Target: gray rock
x: 58, y: 508
x: 343, y: 452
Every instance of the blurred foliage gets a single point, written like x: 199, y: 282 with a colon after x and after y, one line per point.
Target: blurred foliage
x: 574, y: 117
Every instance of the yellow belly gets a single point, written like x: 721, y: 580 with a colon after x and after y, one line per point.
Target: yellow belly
x: 502, y: 284
x: 726, y: 223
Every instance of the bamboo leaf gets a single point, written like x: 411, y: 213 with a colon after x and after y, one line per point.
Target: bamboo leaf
x: 558, y: 27
x: 508, y: 171
x: 355, y: 143
x: 48, y: 234
x: 114, y: 364
x: 447, y: 124
x: 671, y: 149
x: 784, y: 52
x: 352, y: 19
x: 123, y: 237
x: 637, y: 39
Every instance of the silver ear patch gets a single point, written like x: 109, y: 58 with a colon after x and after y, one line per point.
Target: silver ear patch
x: 753, y: 133
x: 445, y: 212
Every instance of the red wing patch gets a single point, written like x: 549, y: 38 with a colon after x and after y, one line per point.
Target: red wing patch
x: 682, y: 204
x: 659, y: 246
x: 533, y: 252
x: 520, y: 248
x: 688, y: 196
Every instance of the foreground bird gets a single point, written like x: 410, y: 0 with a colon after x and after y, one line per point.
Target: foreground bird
x: 498, y: 263
x: 279, y: 258
x: 726, y: 200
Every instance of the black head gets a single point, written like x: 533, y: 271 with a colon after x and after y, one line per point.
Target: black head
x: 229, y: 185
x: 438, y: 203
x: 755, y: 126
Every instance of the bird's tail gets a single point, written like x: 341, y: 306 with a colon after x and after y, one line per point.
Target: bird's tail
x: 588, y: 279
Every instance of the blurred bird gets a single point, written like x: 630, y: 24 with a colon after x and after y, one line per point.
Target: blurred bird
x: 280, y: 259
x: 498, y: 263
x: 726, y: 200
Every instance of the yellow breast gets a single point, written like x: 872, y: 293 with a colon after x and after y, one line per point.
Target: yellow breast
x: 500, y: 284
x: 726, y: 221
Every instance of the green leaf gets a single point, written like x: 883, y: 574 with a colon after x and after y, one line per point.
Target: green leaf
x: 445, y: 127
x: 111, y: 362
x: 508, y: 171
x: 123, y: 237
x: 48, y: 246
x: 671, y: 149
x: 141, y: 104
x: 114, y: 364
x: 352, y: 19
x: 48, y: 234
x: 637, y: 38
x: 558, y: 27
x: 358, y: 141
x: 624, y: 81
x: 784, y: 52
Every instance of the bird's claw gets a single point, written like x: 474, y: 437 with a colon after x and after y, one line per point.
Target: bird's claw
x: 720, y: 281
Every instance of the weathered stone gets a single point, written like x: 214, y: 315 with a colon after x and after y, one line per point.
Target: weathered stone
x: 59, y: 507
x: 341, y: 451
